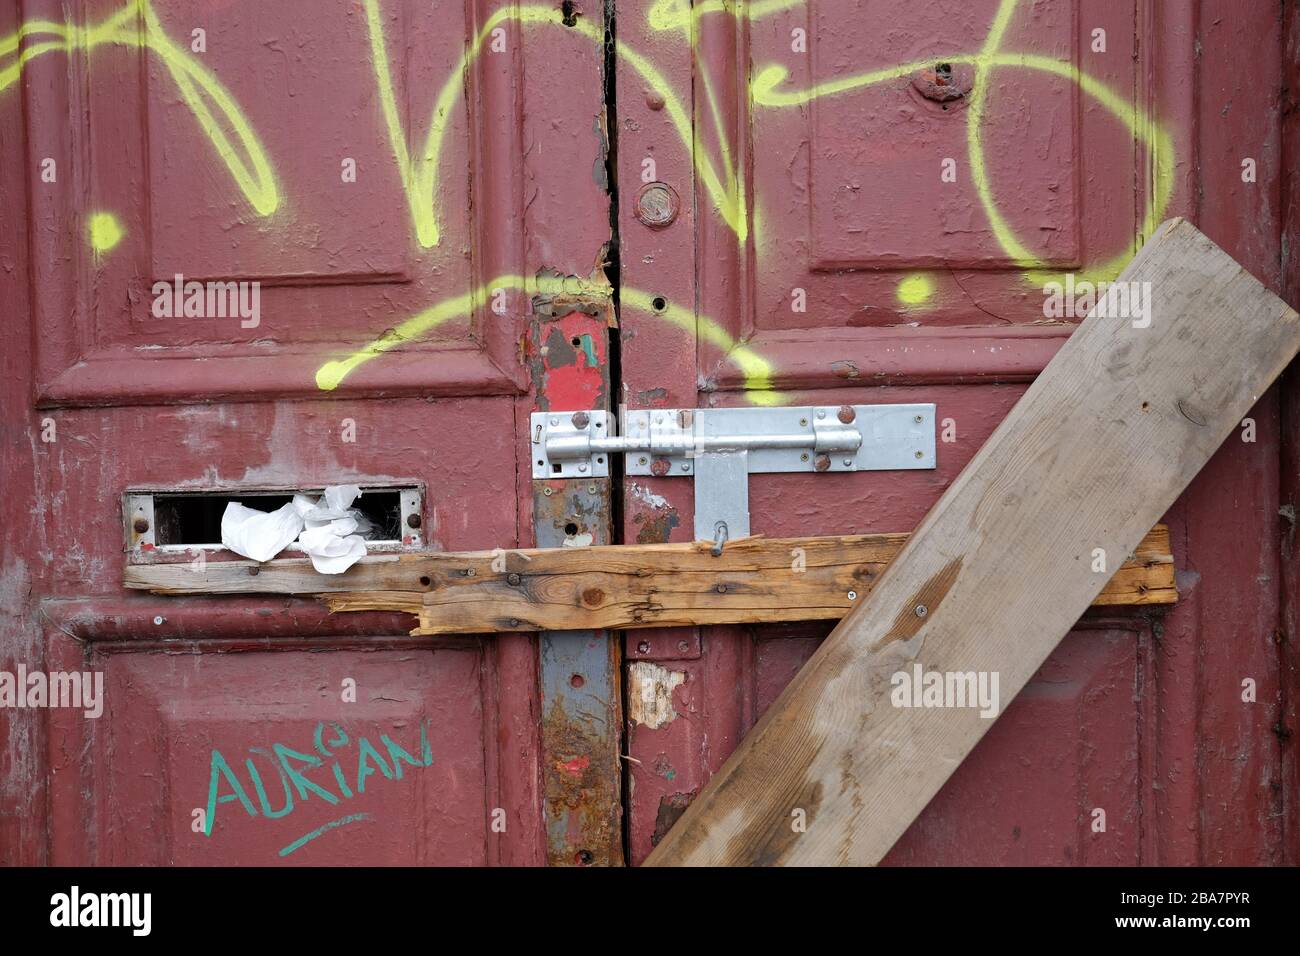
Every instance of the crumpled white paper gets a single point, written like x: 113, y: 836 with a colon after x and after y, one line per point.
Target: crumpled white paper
x: 326, y: 529
x: 259, y: 535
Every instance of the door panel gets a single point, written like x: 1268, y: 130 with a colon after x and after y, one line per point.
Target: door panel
x: 420, y: 194
x: 832, y: 261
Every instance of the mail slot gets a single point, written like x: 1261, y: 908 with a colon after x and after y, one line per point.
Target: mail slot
x: 159, y: 520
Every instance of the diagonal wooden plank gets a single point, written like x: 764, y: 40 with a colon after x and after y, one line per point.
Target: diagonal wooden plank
x: 1096, y: 450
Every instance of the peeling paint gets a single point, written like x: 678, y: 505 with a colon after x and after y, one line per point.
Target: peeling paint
x: 650, y: 694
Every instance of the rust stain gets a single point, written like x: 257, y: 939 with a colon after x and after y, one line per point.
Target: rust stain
x: 844, y: 369
x: 656, y: 528
x: 671, y: 808
x: 583, y: 790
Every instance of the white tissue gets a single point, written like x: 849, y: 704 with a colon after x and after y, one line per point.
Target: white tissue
x: 325, y: 529
x: 259, y: 535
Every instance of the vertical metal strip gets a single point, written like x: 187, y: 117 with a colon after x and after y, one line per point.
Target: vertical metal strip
x: 581, y: 701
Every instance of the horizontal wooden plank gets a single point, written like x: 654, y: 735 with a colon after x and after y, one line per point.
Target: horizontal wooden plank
x: 619, y: 586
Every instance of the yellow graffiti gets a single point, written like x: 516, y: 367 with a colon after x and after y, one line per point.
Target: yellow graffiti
x: 104, y: 232
x: 215, y: 110
x: 758, y: 371
x: 420, y: 178
x: 1157, y: 141
x: 915, y: 290
x: 418, y: 167
x: 682, y: 15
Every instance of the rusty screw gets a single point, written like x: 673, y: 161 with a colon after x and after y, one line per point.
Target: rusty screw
x: 660, y: 467
x: 823, y: 462
x: 847, y: 414
x: 413, y: 520
x: 141, y: 525
x: 580, y: 419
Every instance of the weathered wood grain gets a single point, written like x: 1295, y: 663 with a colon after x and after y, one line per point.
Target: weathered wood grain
x: 1096, y: 450
x: 622, y: 586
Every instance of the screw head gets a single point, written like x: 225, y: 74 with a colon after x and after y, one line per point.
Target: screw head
x: 920, y: 454
x: 823, y: 463
x: 846, y: 414
x: 141, y: 525
x: 686, y: 466
x: 848, y: 462
x: 158, y: 620
x: 821, y: 413
x: 853, y: 595
x: 918, y: 419
x: 555, y: 421
x: 580, y: 419
x: 513, y: 579
x: 548, y: 491
x: 643, y: 647
x: 413, y: 520
x: 921, y: 610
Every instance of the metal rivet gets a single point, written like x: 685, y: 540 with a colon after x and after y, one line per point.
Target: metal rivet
x: 848, y: 462
x: 141, y: 525
x: 823, y: 463
x: 921, y: 610
x: 686, y: 466
x: 847, y: 413
x: 654, y: 100
x: 657, y: 205
x: 555, y: 421
x: 413, y: 520
x: 821, y: 413
x: 853, y: 595
x: 580, y: 419
x: 582, y: 466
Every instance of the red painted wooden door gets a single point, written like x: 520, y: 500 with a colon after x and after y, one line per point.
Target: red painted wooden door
x: 417, y: 195
x: 872, y: 200
x: 824, y: 203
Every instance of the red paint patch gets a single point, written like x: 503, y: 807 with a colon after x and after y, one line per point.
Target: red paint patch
x: 576, y: 766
